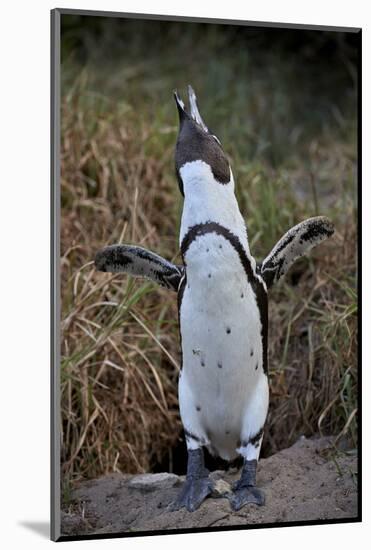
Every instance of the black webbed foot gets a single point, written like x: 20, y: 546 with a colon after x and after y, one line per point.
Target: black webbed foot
x: 193, y: 493
x: 246, y: 495
x: 197, y: 486
x: 244, y: 490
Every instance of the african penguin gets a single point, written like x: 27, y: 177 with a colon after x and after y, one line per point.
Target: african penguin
x: 223, y: 310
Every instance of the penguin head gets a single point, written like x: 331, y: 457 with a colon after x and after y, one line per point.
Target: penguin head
x: 199, y: 154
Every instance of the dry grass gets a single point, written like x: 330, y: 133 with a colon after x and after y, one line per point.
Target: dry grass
x: 120, y: 345
x: 119, y: 337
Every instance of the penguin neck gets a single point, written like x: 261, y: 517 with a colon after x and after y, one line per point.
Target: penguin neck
x: 205, y: 200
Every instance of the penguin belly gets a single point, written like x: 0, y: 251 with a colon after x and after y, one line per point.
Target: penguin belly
x: 222, y: 376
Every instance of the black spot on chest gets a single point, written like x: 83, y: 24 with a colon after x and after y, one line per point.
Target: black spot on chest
x: 260, y: 292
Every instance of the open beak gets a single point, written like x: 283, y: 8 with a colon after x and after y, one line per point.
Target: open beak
x: 195, y: 113
x: 181, y: 108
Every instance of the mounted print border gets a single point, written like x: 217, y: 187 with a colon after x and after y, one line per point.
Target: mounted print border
x: 346, y: 418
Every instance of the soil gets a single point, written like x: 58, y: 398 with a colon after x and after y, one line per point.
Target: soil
x: 310, y: 481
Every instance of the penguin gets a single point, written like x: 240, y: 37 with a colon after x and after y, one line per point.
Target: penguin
x: 223, y: 310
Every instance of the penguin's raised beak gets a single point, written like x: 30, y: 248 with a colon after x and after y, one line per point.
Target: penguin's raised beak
x: 181, y: 107
x: 195, y: 113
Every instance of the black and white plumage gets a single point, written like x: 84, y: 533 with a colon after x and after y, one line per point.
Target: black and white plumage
x: 294, y: 244
x: 223, y: 309
x: 139, y: 262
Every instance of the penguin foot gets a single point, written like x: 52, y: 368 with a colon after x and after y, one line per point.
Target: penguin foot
x: 246, y: 495
x: 193, y: 493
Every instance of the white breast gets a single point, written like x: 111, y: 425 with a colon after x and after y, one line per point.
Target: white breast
x: 207, y: 200
x: 223, y: 389
x: 221, y: 341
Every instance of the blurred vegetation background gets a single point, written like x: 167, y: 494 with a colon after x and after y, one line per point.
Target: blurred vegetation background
x: 284, y: 105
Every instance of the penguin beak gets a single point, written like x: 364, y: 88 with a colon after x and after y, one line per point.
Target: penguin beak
x: 181, y: 107
x: 195, y: 113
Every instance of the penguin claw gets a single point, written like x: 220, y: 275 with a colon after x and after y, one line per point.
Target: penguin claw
x: 246, y: 495
x: 193, y: 493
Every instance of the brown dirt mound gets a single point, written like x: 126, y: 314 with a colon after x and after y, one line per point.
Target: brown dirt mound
x: 309, y: 481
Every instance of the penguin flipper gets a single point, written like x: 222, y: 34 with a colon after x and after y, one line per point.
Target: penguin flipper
x: 294, y: 244
x: 139, y: 262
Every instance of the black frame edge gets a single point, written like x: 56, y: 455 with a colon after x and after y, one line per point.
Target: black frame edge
x: 309, y: 523
x: 55, y: 524
x: 359, y: 269
x: 191, y: 19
